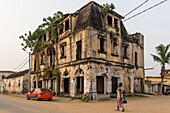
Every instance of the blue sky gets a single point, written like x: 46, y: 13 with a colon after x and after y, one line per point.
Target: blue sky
x: 19, y: 16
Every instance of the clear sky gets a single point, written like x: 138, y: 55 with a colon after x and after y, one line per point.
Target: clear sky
x: 19, y: 16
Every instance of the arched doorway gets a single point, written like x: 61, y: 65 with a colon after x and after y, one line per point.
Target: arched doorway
x: 114, y: 84
x: 79, y: 77
x: 66, y: 82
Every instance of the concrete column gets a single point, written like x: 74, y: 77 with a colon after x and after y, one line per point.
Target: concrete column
x: 109, y: 85
x: 74, y: 82
x: 36, y: 81
x: 54, y: 85
x: 42, y: 83
x: 49, y: 83
x: 105, y: 85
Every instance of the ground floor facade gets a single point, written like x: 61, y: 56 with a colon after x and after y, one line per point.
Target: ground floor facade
x: 92, y: 78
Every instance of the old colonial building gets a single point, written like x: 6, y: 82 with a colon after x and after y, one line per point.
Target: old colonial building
x: 92, y: 54
x: 4, y: 74
x: 17, y: 82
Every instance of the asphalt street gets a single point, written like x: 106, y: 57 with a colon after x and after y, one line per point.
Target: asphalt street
x: 153, y: 104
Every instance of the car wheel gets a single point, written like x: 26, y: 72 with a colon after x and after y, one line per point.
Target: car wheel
x: 37, y: 99
x: 27, y: 97
x: 49, y: 99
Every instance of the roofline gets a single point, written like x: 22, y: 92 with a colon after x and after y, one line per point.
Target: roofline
x: 100, y: 7
x: 8, y: 71
x: 17, y: 74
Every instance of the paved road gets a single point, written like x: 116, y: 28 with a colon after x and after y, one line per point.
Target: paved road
x: 11, y: 104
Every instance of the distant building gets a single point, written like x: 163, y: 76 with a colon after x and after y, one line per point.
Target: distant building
x: 92, y: 54
x: 153, y: 84
x: 17, y: 82
x: 3, y: 74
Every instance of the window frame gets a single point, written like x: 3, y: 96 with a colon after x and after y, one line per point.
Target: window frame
x: 109, y: 20
x: 62, y: 50
x: 114, y: 48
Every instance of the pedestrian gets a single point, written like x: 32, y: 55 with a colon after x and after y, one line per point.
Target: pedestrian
x: 120, y: 97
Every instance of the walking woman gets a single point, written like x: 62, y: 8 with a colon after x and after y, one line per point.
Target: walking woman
x: 120, y: 97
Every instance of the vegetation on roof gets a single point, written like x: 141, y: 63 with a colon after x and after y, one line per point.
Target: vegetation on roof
x: 107, y: 7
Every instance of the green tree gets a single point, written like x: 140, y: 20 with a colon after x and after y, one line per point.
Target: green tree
x: 50, y: 24
x: 162, y: 57
x: 107, y: 7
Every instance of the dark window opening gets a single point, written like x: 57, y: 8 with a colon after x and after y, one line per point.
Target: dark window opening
x: 42, y: 59
x: 9, y: 84
x: 114, y: 47
x: 34, y: 84
x: 40, y: 84
x: 35, y: 65
x: 100, y: 85
x: 115, y: 41
x: 115, y: 23
x: 109, y: 20
x: 66, y: 85
x: 102, y: 44
x: 67, y: 25
x: 125, y: 52
x: 136, y: 59
x: 3, y: 76
x: 19, y: 83
x: 114, y: 84
x: 62, y: 50
x: 61, y: 28
x: 80, y: 85
x: 51, y: 56
x: 79, y: 50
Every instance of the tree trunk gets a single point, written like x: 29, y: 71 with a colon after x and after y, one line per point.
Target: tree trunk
x: 162, y: 78
x: 161, y: 88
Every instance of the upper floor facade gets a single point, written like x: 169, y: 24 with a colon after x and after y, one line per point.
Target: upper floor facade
x: 89, y: 35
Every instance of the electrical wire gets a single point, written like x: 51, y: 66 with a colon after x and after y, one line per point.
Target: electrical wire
x: 136, y: 8
x: 144, y: 10
x: 22, y: 66
x: 21, y: 63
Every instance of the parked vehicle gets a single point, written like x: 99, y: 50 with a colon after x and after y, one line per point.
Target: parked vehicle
x: 40, y: 93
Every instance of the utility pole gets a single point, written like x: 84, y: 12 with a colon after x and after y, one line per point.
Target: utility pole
x: 29, y: 76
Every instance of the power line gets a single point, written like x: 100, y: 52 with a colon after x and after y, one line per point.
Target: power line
x: 145, y: 10
x: 136, y: 8
x: 21, y: 63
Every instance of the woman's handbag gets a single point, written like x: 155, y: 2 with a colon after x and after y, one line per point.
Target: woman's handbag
x: 124, y: 101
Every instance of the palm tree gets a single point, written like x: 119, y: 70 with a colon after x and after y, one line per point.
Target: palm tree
x: 162, y: 57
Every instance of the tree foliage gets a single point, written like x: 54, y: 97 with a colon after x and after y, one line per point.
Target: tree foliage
x: 107, y: 7
x: 50, y: 24
x: 163, y: 54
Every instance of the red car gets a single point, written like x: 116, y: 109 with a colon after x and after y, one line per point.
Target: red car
x: 40, y: 93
